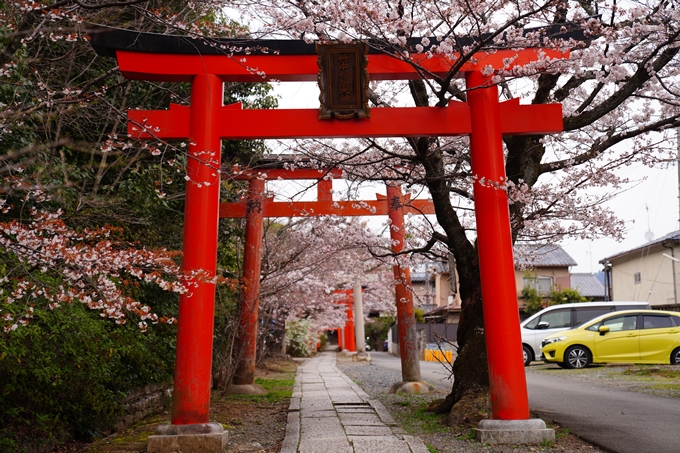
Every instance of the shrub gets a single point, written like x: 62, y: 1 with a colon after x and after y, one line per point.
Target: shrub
x: 299, y: 338
x: 65, y: 374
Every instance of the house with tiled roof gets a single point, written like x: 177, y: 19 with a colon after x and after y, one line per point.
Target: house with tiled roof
x: 647, y: 273
x: 544, y: 267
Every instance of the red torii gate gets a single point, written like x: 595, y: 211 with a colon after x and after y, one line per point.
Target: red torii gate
x: 143, y: 56
x: 255, y: 207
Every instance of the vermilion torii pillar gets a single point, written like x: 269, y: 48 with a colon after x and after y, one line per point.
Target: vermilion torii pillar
x: 193, y: 366
x: 250, y: 285
x: 206, y: 65
x: 496, y: 264
x: 347, y: 330
x: 406, y: 327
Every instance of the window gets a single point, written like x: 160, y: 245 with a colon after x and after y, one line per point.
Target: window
x: 557, y: 319
x: 533, y: 323
x: 542, y: 285
x: 656, y: 322
x: 620, y: 323
x: 585, y: 314
x: 637, y: 277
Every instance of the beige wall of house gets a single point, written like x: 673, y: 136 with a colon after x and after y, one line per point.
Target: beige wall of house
x: 441, y: 294
x: 646, y: 278
x: 559, y: 277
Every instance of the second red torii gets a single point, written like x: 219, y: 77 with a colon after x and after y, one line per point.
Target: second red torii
x: 255, y: 207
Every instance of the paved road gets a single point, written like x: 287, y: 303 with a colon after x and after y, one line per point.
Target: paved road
x: 613, y: 419
x: 432, y: 372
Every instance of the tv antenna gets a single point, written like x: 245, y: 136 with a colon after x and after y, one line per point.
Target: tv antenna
x: 649, y: 236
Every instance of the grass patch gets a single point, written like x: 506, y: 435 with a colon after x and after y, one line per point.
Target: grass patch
x: 137, y: 437
x: 431, y: 448
x: 561, y: 432
x: 279, y: 390
x: 471, y: 434
x: 653, y: 371
x: 416, y: 419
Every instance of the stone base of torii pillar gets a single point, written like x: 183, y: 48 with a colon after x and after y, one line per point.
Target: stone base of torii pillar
x: 361, y: 356
x: 193, y: 438
x: 531, y: 431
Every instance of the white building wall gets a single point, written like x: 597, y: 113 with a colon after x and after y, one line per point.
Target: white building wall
x: 655, y: 278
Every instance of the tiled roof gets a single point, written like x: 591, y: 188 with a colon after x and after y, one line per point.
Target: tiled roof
x: 526, y: 256
x: 587, y: 284
x: 675, y: 235
x: 546, y: 255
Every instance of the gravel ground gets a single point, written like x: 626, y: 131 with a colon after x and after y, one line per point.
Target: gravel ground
x: 408, y: 410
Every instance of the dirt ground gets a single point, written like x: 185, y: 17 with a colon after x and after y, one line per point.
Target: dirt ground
x: 255, y: 423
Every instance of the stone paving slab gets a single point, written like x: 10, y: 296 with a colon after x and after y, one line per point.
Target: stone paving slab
x: 329, y: 413
x: 309, y: 413
x: 359, y: 419
x: 380, y: 445
x: 373, y: 430
x: 321, y: 427
x: 336, y: 445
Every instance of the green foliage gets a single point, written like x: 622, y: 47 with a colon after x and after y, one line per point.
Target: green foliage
x: 323, y: 339
x: 67, y: 372
x: 533, y: 302
x: 376, y: 330
x: 566, y: 296
x: 419, y: 314
x: 300, y: 338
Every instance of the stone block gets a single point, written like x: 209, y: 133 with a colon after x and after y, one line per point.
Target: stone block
x: 353, y: 430
x: 527, y: 432
x: 380, y: 445
x: 195, y: 438
x: 337, y: 445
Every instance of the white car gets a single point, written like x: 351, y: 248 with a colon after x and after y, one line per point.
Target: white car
x: 561, y: 317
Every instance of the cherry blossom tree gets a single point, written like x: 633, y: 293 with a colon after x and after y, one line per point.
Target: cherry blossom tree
x: 78, y: 197
x: 620, y: 103
x: 304, y: 261
x: 88, y: 217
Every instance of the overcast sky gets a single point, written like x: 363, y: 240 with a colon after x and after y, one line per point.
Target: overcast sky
x: 652, y: 205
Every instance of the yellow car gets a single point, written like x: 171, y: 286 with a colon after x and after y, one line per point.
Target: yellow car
x: 632, y: 336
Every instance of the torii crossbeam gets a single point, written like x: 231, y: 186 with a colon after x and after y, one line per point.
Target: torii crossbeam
x: 144, y: 56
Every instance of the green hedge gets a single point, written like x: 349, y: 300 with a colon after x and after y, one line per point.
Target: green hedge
x: 65, y: 374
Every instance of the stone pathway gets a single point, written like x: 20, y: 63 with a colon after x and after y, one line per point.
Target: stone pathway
x: 330, y: 413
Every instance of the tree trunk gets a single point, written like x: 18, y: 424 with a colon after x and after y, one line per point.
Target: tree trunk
x: 469, y: 397
x: 470, y: 393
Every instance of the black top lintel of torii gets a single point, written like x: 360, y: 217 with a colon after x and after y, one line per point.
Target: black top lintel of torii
x: 106, y: 40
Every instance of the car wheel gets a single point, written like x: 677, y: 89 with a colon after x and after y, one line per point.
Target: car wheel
x: 675, y: 357
x: 577, y: 357
x: 528, y: 355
